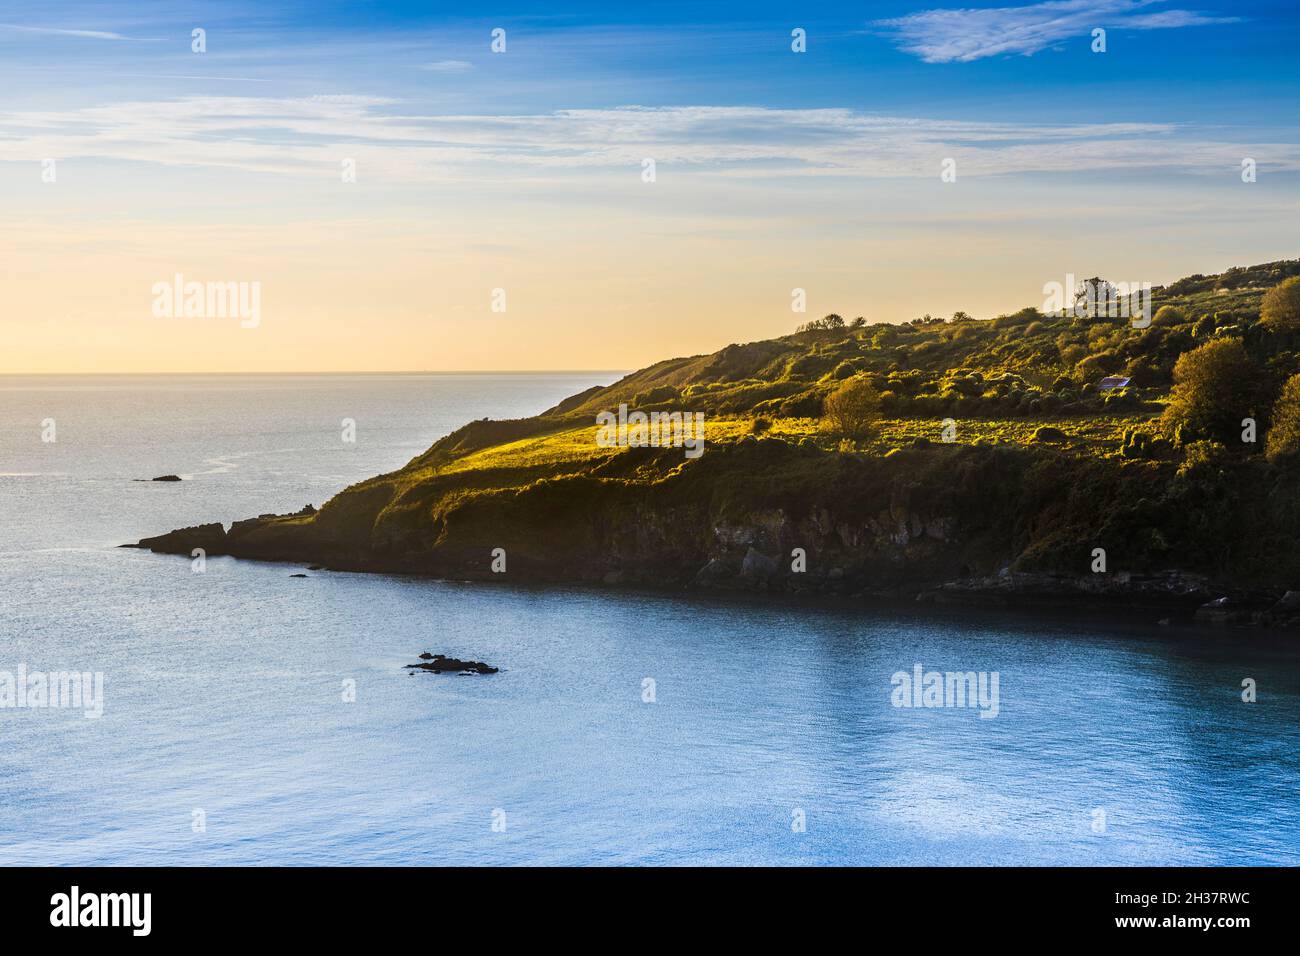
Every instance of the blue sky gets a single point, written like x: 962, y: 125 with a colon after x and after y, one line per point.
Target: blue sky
x: 1243, y: 69
x: 820, y: 167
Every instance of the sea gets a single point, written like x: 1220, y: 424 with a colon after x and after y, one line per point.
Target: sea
x: 247, y: 716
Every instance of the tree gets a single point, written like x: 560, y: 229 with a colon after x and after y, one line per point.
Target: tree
x: 852, y: 410
x: 1284, y: 436
x: 1281, y: 306
x: 830, y: 322
x: 1215, y: 386
x: 1096, y: 295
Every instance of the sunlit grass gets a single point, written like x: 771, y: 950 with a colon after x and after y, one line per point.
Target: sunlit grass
x: 575, y: 448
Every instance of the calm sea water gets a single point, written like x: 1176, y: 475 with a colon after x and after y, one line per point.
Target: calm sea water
x: 224, y: 690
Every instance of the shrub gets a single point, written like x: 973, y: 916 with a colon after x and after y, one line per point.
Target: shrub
x: 847, y: 369
x: 1169, y: 315
x: 1103, y: 363
x: 832, y: 321
x: 852, y: 410
x: 1284, y: 436
x: 1204, y: 457
x: 1073, y: 354
x: 655, y: 396
x: 1139, y: 444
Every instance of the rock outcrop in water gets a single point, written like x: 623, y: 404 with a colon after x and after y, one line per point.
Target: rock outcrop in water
x: 441, y: 664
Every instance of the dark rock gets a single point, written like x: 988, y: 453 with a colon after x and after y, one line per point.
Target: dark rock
x: 297, y: 575
x: 1172, y: 589
x: 168, y: 478
x: 441, y: 664
x: 210, y: 537
x: 1225, y: 610
x: 716, y: 571
x: 757, y: 565
x: 1289, y: 604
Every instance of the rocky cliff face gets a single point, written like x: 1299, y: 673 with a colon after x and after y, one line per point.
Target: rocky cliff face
x: 950, y: 523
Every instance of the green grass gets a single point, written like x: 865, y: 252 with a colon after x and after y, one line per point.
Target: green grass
x: 573, y: 450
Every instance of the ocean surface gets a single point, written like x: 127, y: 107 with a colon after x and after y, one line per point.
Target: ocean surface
x: 622, y: 728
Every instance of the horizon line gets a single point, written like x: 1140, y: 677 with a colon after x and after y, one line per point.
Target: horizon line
x: 486, y: 371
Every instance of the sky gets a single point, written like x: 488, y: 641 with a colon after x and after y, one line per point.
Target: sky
x: 373, y: 187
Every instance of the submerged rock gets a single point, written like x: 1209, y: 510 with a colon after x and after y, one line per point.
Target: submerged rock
x: 441, y: 664
x: 1234, y: 610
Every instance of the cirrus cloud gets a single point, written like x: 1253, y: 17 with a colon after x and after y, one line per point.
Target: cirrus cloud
x: 308, y: 135
x: 963, y: 35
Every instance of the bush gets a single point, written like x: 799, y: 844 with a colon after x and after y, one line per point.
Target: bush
x: 1281, y: 306
x: 1284, y: 436
x: 1204, y: 457
x: 1139, y: 444
x: 832, y: 321
x: 1169, y: 315
x: 655, y: 396
x: 1094, y: 366
x: 852, y: 410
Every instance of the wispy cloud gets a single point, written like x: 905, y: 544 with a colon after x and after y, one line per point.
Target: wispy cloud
x: 309, y: 135
x: 196, y: 76
x: 447, y: 66
x: 61, y: 32
x: 963, y: 35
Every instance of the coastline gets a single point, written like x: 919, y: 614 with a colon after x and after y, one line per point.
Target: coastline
x: 1170, y: 597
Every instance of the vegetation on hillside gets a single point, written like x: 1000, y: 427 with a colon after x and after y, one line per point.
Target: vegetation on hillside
x: 898, y: 452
